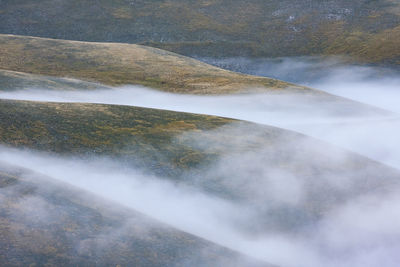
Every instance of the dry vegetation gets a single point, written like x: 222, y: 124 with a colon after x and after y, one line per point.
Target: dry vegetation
x: 119, y: 64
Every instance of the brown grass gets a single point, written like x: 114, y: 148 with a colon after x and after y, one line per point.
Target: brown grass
x: 121, y: 64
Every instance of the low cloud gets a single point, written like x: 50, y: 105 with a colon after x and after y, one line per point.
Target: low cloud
x: 291, y: 203
x: 346, y: 124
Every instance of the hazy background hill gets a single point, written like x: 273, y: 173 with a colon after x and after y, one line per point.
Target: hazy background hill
x: 368, y: 30
x: 44, y: 222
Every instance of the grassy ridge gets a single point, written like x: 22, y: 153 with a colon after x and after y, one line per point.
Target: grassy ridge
x: 83, y: 129
x: 13, y: 80
x: 119, y: 64
x: 219, y: 27
x: 16, y: 81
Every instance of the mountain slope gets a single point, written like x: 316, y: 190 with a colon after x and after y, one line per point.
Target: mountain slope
x: 207, y: 153
x: 119, y: 64
x: 366, y: 30
x: 13, y: 80
x: 25, y: 86
x: 123, y: 64
x: 48, y: 223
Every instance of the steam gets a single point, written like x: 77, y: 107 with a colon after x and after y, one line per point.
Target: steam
x: 341, y: 216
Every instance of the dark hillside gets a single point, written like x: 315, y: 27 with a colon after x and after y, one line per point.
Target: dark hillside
x: 364, y: 29
x: 49, y: 223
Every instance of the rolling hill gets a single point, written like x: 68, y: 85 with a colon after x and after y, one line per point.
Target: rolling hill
x: 367, y: 31
x: 13, y: 80
x: 120, y: 64
x: 184, y: 189
x: 48, y: 223
x: 207, y: 153
x: 30, y: 62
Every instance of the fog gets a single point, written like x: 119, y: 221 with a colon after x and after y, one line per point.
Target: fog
x: 361, y: 228
x: 377, y: 86
x: 355, y: 227
x: 347, y: 124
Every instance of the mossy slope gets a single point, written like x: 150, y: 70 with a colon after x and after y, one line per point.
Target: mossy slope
x: 80, y: 129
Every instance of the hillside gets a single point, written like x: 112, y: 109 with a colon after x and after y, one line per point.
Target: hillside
x: 120, y: 64
x: 37, y: 63
x: 135, y: 133
x: 368, y: 31
x: 13, y: 80
x: 48, y: 223
x: 243, y: 133
x: 207, y: 153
